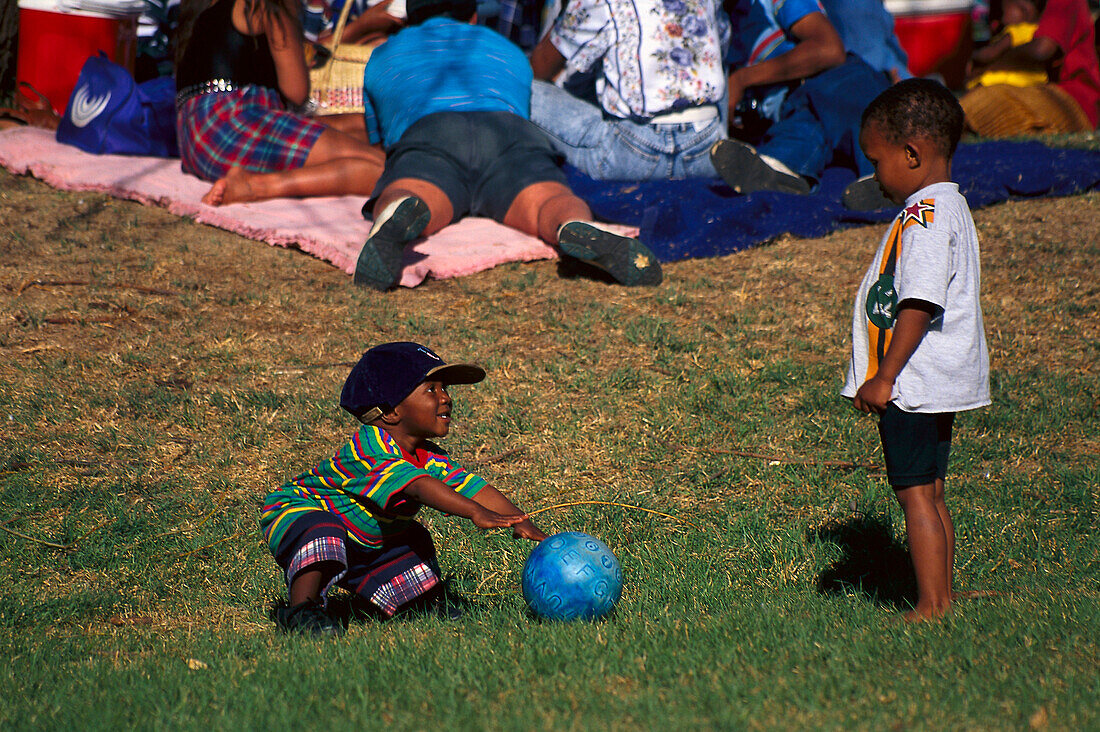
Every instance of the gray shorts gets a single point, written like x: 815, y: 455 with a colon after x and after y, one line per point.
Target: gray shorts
x: 480, y: 160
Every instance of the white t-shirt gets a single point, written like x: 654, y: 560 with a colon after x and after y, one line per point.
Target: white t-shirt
x: 938, y: 262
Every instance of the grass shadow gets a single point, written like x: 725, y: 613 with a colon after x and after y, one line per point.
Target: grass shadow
x: 872, y: 563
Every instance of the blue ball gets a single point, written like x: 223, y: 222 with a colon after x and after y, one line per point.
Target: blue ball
x: 572, y: 575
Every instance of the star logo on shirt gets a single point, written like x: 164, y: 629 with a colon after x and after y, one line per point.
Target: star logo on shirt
x: 920, y: 212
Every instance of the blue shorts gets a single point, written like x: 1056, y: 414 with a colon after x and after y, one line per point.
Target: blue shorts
x: 916, y: 446
x: 480, y: 160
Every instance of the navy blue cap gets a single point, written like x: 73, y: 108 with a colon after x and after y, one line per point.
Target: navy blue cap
x: 417, y: 11
x: 388, y: 373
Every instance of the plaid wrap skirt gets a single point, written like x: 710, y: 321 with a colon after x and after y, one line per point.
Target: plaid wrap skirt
x: 249, y: 128
x: 400, y: 571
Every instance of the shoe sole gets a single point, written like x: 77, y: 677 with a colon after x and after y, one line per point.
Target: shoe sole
x: 865, y: 195
x: 379, y: 263
x: 740, y: 166
x: 625, y: 258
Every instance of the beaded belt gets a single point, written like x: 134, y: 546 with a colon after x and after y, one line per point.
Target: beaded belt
x: 207, y: 87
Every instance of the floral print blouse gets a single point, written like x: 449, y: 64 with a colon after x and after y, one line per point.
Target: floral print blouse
x: 657, y: 55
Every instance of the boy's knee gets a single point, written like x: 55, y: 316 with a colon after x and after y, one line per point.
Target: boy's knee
x: 912, y: 495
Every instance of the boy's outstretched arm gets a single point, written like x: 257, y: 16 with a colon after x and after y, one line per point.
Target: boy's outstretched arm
x: 440, y: 496
x: 496, y: 501
x: 912, y: 323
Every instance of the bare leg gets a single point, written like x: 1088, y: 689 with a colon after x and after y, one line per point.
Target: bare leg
x: 353, y: 124
x: 949, y: 532
x: 544, y: 208
x: 337, y: 165
x: 436, y: 200
x: 928, y: 548
x: 306, y: 586
x: 541, y: 208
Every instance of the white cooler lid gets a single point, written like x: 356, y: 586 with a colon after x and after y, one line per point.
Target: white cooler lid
x: 927, y: 7
x: 92, y: 8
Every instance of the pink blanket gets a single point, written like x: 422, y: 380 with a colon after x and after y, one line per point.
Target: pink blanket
x: 332, y: 229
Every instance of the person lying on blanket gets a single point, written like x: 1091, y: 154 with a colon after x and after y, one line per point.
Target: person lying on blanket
x: 240, y: 64
x: 450, y: 101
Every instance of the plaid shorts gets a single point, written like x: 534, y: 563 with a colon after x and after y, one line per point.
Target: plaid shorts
x: 249, y: 128
x: 400, y: 571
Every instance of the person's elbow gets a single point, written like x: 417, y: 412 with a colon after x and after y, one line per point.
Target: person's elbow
x: 546, y: 61
x: 295, y: 94
x: 823, y: 48
x: 833, y: 52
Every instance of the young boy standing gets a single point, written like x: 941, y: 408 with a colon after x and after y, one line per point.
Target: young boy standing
x: 349, y: 521
x: 918, y: 343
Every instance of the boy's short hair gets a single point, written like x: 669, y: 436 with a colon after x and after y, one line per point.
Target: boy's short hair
x: 388, y: 373
x: 918, y: 108
x: 417, y: 11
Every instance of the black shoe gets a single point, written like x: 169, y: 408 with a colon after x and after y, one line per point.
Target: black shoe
x: 625, y: 258
x: 307, y: 617
x: 865, y: 194
x: 379, y: 263
x: 446, y: 609
x: 743, y: 170
x: 437, y: 602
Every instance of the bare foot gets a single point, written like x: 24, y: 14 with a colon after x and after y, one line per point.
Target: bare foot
x: 235, y: 187
x: 919, y: 615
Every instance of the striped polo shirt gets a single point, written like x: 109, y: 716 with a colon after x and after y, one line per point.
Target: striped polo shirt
x: 363, y: 486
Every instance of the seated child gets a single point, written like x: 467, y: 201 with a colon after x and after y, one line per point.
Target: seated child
x: 1065, y: 45
x: 350, y: 521
x: 1019, y: 21
x: 918, y: 343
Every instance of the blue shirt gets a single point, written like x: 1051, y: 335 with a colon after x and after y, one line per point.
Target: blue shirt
x: 762, y: 30
x: 867, y: 30
x: 442, y: 65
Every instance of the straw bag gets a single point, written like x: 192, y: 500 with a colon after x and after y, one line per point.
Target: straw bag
x: 337, y: 86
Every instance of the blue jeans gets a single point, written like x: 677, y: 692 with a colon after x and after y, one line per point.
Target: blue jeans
x: 820, y: 120
x: 617, y: 149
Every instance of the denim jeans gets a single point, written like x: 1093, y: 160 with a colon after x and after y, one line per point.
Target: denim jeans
x: 616, y: 149
x: 820, y: 120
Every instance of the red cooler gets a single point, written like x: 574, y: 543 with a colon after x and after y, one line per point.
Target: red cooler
x: 937, y: 35
x: 55, y: 43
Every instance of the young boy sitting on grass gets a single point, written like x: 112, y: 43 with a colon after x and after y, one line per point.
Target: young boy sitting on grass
x: 918, y: 343
x: 349, y: 521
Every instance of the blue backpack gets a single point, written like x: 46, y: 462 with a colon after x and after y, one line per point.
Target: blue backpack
x: 109, y: 113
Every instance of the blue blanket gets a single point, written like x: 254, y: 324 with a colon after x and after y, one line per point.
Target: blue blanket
x: 683, y: 219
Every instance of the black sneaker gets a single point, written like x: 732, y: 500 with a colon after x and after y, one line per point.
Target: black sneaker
x: 743, y: 170
x: 379, y: 263
x: 625, y: 258
x: 307, y: 617
x: 865, y: 194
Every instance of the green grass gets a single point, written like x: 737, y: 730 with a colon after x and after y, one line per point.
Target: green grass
x: 135, y: 452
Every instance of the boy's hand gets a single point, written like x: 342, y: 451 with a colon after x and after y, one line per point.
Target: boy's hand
x: 912, y: 323
x: 874, y: 395
x: 528, y: 530
x: 483, y: 518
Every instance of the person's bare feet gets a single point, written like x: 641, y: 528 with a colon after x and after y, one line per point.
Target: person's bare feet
x: 920, y: 614
x: 235, y: 187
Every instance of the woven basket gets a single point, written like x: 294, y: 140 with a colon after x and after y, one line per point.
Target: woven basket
x: 337, y: 87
